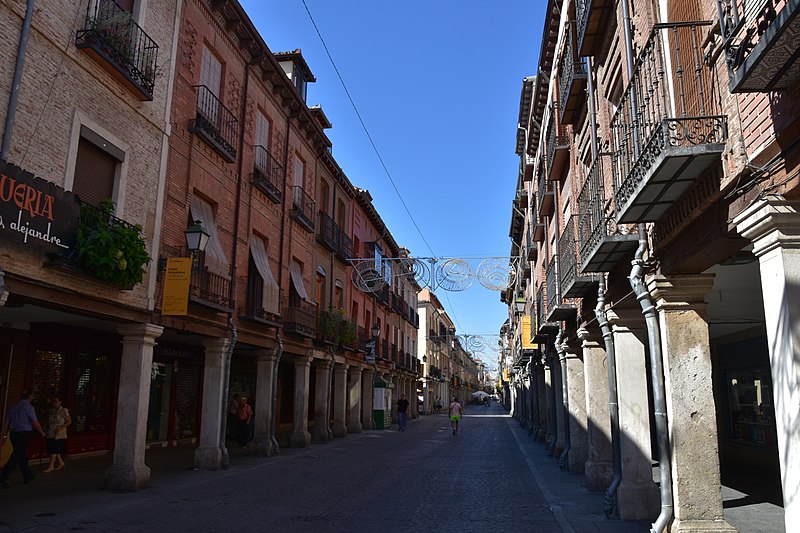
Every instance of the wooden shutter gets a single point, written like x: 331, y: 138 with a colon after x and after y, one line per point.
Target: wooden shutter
x: 126, y: 5
x: 95, y: 170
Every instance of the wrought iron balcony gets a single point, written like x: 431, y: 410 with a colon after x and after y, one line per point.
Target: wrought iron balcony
x: 571, y: 79
x: 112, y: 38
x: 517, y: 224
x: 668, y: 128
x: 209, y: 289
x: 545, y: 196
x: 760, y: 40
x: 267, y: 173
x: 531, y: 246
x: 558, y: 144
x: 592, y: 21
x: 301, y: 319
x: 328, y: 234
x: 544, y: 328
x: 214, y: 123
x: 558, y: 308
x: 575, y: 283
x: 302, y: 208
x: 603, y: 242
x: 345, y: 250
x: 254, y: 310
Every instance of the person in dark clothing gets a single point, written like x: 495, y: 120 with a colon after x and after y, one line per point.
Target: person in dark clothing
x: 20, y: 423
x: 402, y: 413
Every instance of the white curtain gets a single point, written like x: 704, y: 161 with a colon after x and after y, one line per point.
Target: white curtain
x: 216, y: 261
x: 271, y: 294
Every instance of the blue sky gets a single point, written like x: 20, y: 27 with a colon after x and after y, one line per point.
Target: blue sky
x: 437, y: 84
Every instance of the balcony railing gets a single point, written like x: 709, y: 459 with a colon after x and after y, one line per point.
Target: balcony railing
x: 328, y: 232
x: 214, y: 123
x: 759, y: 39
x: 592, y: 21
x: 254, y: 310
x: 267, y: 173
x: 558, y: 308
x: 574, y: 282
x: 545, y: 197
x: 112, y: 37
x: 668, y: 128
x: 302, y: 208
x: 558, y: 143
x: 209, y: 289
x: 603, y: 242
x: 301, y: 319
x: 572, y: 79
x: 345, y: 250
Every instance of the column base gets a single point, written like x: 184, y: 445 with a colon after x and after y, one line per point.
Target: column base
x: 262, y: 448
x: 208, y: 458
x: 339, y: 429
x: 702, y: 526
x: 127, y: 478
x: 367, y: 424
x: 638, y: 501
x: 321, y: 435
x: 354, y: 427
x: 300, y: 440
x: 598, y: 475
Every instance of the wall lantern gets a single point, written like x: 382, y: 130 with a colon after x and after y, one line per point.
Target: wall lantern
x: 376, y: 330
x: 196, y: 237
x: 519, y: 305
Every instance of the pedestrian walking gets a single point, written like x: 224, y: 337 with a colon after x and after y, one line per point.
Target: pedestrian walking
x: 57, y: 422
x: 244, y: 413
x: 456, y: 411
x: 402, y: 413
x: 20, y: 423
x: 438, y: 405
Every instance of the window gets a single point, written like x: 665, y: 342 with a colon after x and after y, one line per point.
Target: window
x: 340, y: 213
x: 215, y: 259
x: 321, y: 285
x: 299, y: 169
x: 95, y: 172
x: 338, y: 294
x: 298, y: 288
x: 324, y: 196
x: 210, y: 72
x: 262, y: 131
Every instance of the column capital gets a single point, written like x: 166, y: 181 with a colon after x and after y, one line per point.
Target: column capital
x: 770, y: 223
x: 625, y: 318
x: 140, y: 330
x: 216, y: 343
x: 266, y: 354
x: 300, y: 360
x: 680, y: 291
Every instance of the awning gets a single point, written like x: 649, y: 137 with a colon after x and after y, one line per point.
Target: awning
x: 297, y: 280
x: 271, y: 292
x: 215, y: 259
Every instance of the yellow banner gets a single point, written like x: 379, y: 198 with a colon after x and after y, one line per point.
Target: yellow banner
x: 176, y: 286
x: 527, y: 339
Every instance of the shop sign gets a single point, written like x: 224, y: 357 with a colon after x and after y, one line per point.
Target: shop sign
x: 177, y: 280
x: 36, y: 212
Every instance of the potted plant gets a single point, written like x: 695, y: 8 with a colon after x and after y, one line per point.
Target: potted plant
x: 109, y: 248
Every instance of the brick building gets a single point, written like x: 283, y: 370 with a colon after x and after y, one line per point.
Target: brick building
x: 661, y: 135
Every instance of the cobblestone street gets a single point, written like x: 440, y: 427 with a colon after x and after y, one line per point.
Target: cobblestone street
x: 489, y: 477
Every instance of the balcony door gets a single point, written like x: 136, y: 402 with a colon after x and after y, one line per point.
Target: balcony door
x: 211, y: 78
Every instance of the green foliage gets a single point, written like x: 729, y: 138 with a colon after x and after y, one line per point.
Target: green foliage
x: 110, y: 249
x: 336, y: 329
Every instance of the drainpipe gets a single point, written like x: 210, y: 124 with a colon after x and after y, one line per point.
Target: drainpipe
x: 657, y: 377
x: 636, y: 279
x: 610, y: 499
x: 12, y: 98
x: 561, y: 348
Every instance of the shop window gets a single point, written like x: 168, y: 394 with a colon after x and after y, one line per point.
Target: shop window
x: 752, y: 418
x: 48, y: 380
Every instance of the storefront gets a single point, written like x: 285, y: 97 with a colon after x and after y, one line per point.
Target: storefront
x: 175, y: 394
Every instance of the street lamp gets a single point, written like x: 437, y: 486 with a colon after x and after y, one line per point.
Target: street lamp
x: 376, y: 330
x: 196, y: 237
x: 519, y: 305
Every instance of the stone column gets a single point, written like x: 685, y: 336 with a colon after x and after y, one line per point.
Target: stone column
x: 208, y: 455
x: 576, y: 425
x: 322, y: 400
x: 367, y: 378
x: 354, y: 399
x: 638, y: 497
x: 541, y: 401
x: 773, y: 225
x: 300, y: 437
x: 265, y: 374
x: 128, y: 471
x: 339, y: 400
x: 558, y: 406
x: 686, y: 355
x: 549, y: 398
x: 599, y: 469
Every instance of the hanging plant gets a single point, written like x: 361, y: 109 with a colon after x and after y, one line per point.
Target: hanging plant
x: 109, y: 248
